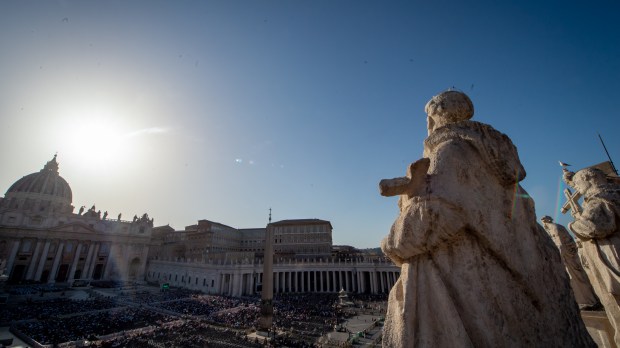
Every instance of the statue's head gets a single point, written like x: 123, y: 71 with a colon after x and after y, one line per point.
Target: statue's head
x: 448, y: 107
x: 546, y: 219
x: 588, y: 178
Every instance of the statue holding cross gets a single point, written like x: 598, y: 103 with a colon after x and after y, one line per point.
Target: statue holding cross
x: 596, y: 227
x: 476, y: 268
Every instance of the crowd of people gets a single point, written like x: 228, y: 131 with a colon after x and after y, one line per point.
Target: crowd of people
x: 31, y: 289
x: 56, y: 307
x: 149, y: 297
x: 310, y: 315
x: 90, y: 326
x: 201, y: 305
x: 189, y: 333
x: 177, y: 318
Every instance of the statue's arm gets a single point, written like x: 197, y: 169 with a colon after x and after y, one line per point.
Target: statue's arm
x: 598, y: 220
x: 422, y: 227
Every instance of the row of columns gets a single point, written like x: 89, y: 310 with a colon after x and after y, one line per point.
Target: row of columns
x: 374, y: 282
x: 36, y: 266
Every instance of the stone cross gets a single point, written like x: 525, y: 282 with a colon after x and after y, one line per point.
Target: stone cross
x: 572, y: 203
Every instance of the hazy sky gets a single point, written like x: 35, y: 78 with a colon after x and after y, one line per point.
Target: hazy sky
x: 219, y: 110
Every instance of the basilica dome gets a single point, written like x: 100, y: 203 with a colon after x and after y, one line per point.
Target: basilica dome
x: 46, y: 185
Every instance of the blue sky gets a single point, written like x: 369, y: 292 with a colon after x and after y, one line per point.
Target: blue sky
x: 220, y: 110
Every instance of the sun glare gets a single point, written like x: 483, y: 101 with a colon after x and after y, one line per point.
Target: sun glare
x: 95, y: 138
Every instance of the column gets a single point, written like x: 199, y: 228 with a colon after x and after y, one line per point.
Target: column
x: 360, y: 282
x: 290, y: 281
x: 74, y: 264
x: 236, y: 287
x: 54, y: 272
x: 91, y: 249
x: 382, y: 275
x: 317, y: 280
x: 9, y: 264
x: 315, y: 286
x: 111, y: 258
x: 375, y: 283
x: 340, y: 280
x: 371, y: 274
x: 303, y: 285
x: 93, y: 261
x: 332, y: 281
x: 347, y: 280
x: 46, y: 249
x: 327, y: 282
x: 33, y: 261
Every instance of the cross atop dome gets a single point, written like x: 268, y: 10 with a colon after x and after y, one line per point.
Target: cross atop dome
x: 52, y: 165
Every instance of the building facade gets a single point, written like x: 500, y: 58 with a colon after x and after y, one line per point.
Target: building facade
x: 42, y: 240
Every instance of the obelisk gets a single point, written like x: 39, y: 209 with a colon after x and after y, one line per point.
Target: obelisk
x: 266, y: 308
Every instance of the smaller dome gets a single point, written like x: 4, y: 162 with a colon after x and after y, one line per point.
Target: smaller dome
x: 46, y: 182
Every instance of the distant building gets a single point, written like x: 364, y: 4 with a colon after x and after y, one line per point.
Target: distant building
x: 293, y: 239
x: 219, y: 259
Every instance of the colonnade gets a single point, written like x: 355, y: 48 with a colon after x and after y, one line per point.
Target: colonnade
x: 318, y: 281
x: 246, y: 279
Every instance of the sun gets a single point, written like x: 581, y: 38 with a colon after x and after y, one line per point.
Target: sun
x: 94, y: 137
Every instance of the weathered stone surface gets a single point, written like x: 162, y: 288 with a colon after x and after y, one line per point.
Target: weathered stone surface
x: 597, y: 228
x: 477, y: 270
x: 579, y: 282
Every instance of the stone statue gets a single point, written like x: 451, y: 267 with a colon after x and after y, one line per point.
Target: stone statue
x: 596, y: 226
x: 81, y: 210
x: 119, y: 216
x: 584, y: 294
x: 105, y: 214
x: 477, y: 270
